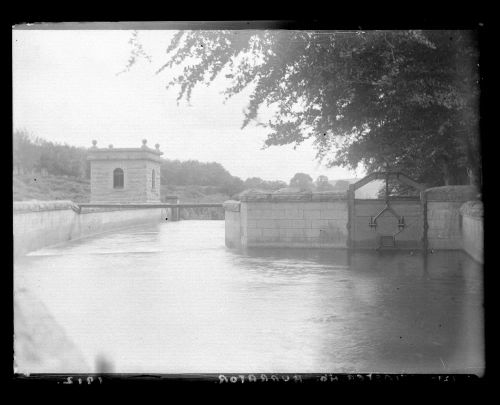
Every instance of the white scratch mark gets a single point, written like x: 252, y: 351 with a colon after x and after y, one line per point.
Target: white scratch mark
x: 442, y: 362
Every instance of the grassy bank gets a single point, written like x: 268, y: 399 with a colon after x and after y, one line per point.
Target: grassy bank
x: 49, y: 187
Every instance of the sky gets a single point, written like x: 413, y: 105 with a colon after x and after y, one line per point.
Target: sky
x: 67, y: 88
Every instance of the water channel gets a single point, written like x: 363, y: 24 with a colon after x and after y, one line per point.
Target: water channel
x: 171, y: 298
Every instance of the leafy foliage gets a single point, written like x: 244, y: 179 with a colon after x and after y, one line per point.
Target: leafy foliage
x: 193, y: 172
x: 258, y: 183
x: 38, y: 155
x: 192, y: 180
x: 404, y: 98
x: 322, y: 184
x: 341, y: 185
x: 302, y: 181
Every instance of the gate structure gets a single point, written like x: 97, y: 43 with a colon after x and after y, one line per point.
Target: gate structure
x: 393, y: 222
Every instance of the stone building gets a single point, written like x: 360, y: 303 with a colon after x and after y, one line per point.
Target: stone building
x: 124, y: 175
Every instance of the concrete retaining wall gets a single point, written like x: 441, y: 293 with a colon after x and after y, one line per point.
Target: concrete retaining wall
x: 291, y: 220
x: 38, y: 224
x: 443, y: 215
x: 472, y: 229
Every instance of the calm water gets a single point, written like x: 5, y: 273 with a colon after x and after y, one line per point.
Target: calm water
x: 172, y: 298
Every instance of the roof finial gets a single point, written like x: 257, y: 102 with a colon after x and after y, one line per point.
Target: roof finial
x: 110, y: 146
x: 94, y: 143
x: 157, y: 146
x: 144, y: 142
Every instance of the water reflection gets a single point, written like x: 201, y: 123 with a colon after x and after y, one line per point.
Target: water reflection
x: 172, y: 298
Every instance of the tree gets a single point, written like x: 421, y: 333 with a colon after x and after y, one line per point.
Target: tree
x: 36, y: 154
x: 258, y: 183
x: 341, y: 185
x: 25, y: 152
x: 407, y: 98
x: 322, y: 184
x: 275, y: 184
x: 195, y: 173
x: 254, y: 182
x: 302, y: 181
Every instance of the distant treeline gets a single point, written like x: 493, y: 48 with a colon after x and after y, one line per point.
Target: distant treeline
x: 36, y: 155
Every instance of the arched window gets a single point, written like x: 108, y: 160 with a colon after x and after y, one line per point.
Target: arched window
x: 118, y: 178
x: 153, y: 179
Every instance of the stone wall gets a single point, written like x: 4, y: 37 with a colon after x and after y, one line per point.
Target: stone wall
x: 320, y: 220
x: 294, y: 220
x: 232, y: 224
x: 137, y: 181
x: 134, y: 182
x: 38, y: 224
x: 472, y: 229
x: 443, y: 215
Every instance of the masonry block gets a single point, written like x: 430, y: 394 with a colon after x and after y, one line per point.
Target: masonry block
x: 292, y: 213
x: 266, y: 223
x: 254, y: 234
x: 254, y: 213
x: 335, y: 223
x: 252, y: 223
x: 312, y: 214
x: 298, y: 223
x: 267, y: 214
x: 330, y: 213
x: 319, y: 223
x: 312, y: 233
x: 279, y: 214
x: 270, y: 234
x: 291, y: 233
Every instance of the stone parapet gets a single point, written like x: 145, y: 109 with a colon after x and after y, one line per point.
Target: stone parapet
x: 124, y: 154
x: 451, y: 193
x: 36, y: 206
x: 231, y: 205
x: 472, y: 209
x: 291, y: 197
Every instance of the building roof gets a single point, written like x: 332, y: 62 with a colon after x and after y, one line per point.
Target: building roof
x: 111, y: 153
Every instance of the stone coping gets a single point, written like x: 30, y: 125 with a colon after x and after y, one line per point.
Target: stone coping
x: 472, y: 209
x: 452, y: 193
x: 124, y: 154
x: 290, y: 197
x: 231, y: 205
x: 36, y: 206
x: 142, y: 149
